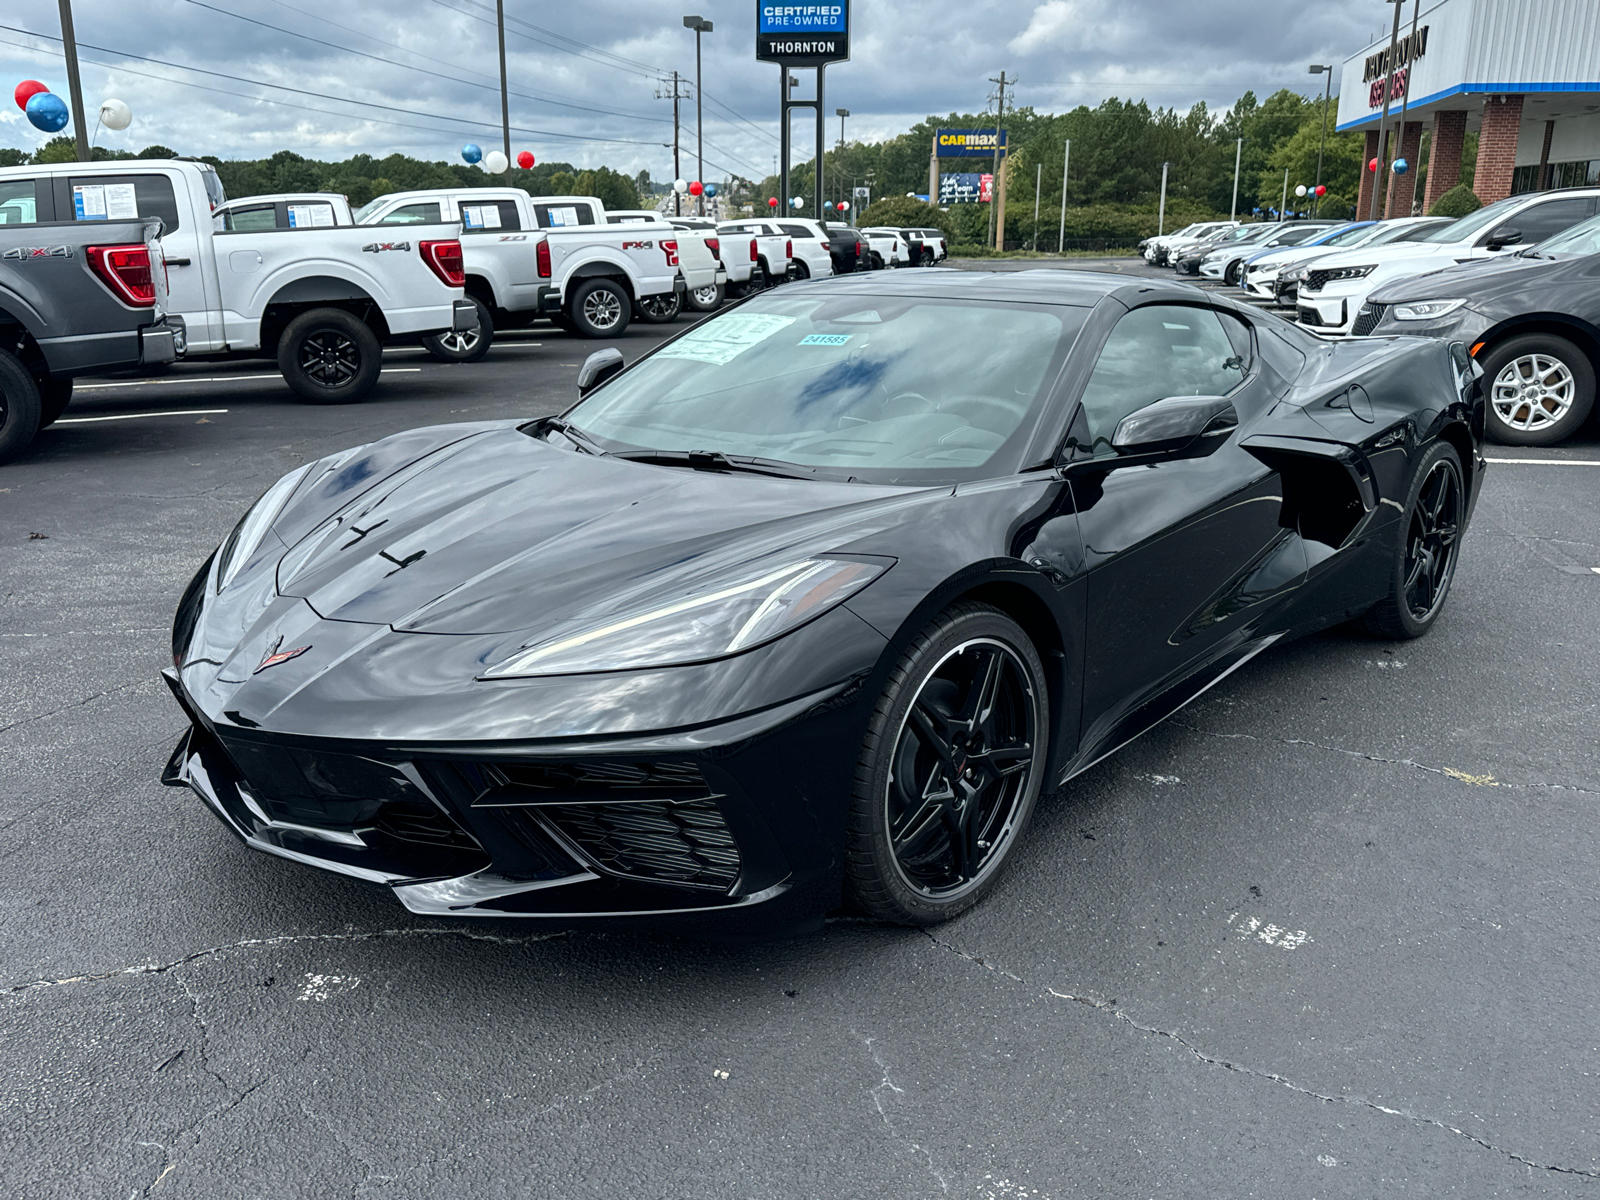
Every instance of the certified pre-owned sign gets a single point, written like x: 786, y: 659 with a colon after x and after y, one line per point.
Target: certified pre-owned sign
x: 803, y: 35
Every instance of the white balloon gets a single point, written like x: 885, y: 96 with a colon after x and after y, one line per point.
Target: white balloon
x: 495, y: 162
x: 797, y: 201
x: 114, y: 114
x: 1300, y: 189
x: 680, y: 186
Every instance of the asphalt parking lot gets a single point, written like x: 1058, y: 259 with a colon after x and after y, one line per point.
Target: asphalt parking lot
x: 1333, y: 931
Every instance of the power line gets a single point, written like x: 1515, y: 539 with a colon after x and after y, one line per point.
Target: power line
x: 639, y: 69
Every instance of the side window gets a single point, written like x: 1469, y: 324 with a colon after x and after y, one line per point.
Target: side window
x: 1550, y: 218
x: 1154, y: 352
x: 562, y: 216
x: 412, y: 214
x: 250, y: 220
x: 489, y: 216
x: 797, y: 231
x: 17, y: 205
x: 122, y: 198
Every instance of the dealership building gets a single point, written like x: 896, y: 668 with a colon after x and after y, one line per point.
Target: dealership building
x: 1524, y: 74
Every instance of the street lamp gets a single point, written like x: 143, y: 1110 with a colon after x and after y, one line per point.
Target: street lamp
x: 1318, y: 69
x: 841, y: 113
x: 699, y: 25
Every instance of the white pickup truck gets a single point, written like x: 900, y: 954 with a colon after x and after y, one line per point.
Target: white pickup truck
x: 757, y: 253
x: 321, y: 299
x: 699, y: 258
x: 539, y: 256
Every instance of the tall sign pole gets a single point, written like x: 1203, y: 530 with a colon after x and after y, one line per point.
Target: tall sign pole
x: 997, y: 187
x: 699, y: 25
x: 1383, y: 121
x: 1161, y: 213
x: 505, y: 100
x: 796, y: 36
x: 1066, y: 161
x: 69, y: 44
x: 1238, y: 152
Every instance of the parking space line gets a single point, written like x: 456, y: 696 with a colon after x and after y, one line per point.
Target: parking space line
x: 1547, y: 462
x: 188, y: 412
x: 87, y: 387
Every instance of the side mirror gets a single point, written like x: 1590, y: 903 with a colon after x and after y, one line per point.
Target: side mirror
x: 597, y: 368
x: 1504, y: 235
x: 1179, y: 426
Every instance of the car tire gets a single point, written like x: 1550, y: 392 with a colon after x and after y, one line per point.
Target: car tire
x: 929, y: 258
x: 798, y: 271
x: 1230, y: 275
x: 706, y: 299
x: 1427, y: 540
x: 916, y: 854
x: 19, y: 407
x: 54, y: 396
x: 1538, y: 388
x: 329, y: 356
x: 659, y: 309
x: 463, y: 347
x: 599, y: 308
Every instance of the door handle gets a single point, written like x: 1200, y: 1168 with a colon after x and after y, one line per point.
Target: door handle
x: 177, y: 262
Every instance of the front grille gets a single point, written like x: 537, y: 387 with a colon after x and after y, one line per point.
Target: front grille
x: 1315, y: 281
x: 1367, y: 319
x: 555, y: 783
x: 1308, y: 316
x: 686, y: 843
x: 423, y: 824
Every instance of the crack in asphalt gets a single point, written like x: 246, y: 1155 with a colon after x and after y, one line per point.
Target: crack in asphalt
x: 1447, y: 772
x: 121, y: 687
x: 877, y: 1093
x: 1212, y: 1060
x: 260, y: 943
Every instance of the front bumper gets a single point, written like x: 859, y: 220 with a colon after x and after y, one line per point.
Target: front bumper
x: 1212, y: 270
x: 1263, y: 285
x: 1327, y: 311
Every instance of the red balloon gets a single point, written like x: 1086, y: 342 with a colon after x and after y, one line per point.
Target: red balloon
x: 27, y: 90
x: 1321, y: 190
x: 696, y: 188
x: 525, y: 160
x: 772, y: 202
x: 1372, y: 165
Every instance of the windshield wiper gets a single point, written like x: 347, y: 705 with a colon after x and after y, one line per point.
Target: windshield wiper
x: 568, y: 430
x: 715, y: 460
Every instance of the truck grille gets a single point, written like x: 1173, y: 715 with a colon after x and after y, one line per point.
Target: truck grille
x: 1367, y: 319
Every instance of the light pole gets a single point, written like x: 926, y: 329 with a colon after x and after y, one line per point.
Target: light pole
x: 699, y: 26
x: 69, y: 44
x: 1317, y: 69
x: 841, y: 113
x: 1238, y: 151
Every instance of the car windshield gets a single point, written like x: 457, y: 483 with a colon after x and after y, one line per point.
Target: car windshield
x: 1293, y: 237
x: 1401, y: 233
x: 855, y: 385
x: 1582, y: 238
x: 1355, y: 236
x: 371, y: 206
x: 1468, y: 227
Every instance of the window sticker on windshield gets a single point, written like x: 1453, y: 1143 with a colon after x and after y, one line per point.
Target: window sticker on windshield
x: 471, y: 216
x: 89, y: 201
x: 121, y: 205
x: 308, y: 216
x: 563, y: 218
x: 721, y: 341
x: 825, y: 339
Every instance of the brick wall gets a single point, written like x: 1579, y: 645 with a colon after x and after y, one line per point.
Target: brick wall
x: 1403, y: 188
x: 1364, y: 199
x: 1497, y: 147
x: 1444, y: 154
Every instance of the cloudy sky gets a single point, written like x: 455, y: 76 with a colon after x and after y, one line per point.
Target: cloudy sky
x: 243, y: 78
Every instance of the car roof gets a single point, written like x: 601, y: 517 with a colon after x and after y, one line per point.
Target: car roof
x: 1040, y: 285
x: 274, y: 197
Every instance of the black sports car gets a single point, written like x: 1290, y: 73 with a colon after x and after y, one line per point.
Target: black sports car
x: 1532, y: 319
x: 809, y: 605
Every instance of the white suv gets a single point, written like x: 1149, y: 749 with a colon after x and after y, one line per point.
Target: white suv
x: 1335, y: 289
x: 811, y: 256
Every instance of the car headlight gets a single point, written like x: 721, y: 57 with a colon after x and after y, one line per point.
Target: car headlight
x: 1293, y: 274
x: 253, y: 526
x: 1425, y: 310
x: 705, y: 625
x: 1334, y: 273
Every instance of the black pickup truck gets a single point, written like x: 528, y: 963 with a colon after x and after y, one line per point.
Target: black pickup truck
x: 75, y: 297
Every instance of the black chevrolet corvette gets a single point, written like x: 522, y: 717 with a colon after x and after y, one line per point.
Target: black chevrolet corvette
x: 810, y: 605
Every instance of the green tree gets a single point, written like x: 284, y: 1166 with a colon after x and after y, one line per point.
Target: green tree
x: 1457, y: 202
x: 902, y: 211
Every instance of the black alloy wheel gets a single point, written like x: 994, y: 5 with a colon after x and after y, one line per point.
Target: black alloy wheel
x: 1426, y: 548
x: 950, y: 770
x: 19, y: 407
x: 329, y: 356
x: 469, y: 346
x: 658, y: 309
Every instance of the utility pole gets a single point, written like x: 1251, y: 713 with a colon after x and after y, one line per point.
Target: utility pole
x: 997, y: 192
x: 699, y: 26
x: 1038, y: 182
x: 1317, y: 69
x: 1284, y: 203
x: 1238, y: 152
x: 505, y: 101
x: 1161, y: 213
x: 1066, y: 161
x: 677, y: 171
x: 69, y: 44
x: 1383, y: 121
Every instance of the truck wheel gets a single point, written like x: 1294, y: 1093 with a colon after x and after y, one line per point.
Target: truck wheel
x: 329, y: 357
x: 463, y: 347
x: 19, y: 408
x: 799, y: 272
x: 658, y: 309
x: 54, y: 396
x: 600, y: 308
x: 706, y: 299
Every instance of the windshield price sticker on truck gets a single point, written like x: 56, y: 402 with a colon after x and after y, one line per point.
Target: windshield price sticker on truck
x: 104, y: 202
x: 825, y: 339
x: 563, y: 218
x: 310, y: 216
x: 481, y: 216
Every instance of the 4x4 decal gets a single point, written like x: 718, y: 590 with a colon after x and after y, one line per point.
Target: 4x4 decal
x: 23, y: 252
x: 380, y: 247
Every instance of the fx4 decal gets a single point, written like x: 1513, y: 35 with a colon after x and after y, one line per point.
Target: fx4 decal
x: 638, y: 245
x: 23, y: 252
x: 380, y: 247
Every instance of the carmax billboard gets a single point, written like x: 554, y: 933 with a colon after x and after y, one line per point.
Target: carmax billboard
x: 969, y: 143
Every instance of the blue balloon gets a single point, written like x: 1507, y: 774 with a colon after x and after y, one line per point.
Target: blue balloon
x: 1401, y: 166
x: 472, y: 152
x: 48, y: 112
x: 711, y: 189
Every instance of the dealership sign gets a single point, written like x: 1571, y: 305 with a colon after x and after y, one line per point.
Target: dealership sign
x: 1384, y: 72
x: 803, y: 35
x: 970, y: 143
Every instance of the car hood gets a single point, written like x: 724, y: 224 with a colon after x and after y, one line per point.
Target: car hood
x: 1413, y: 255
x: 494, y: 531
x: 1487, y: 281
